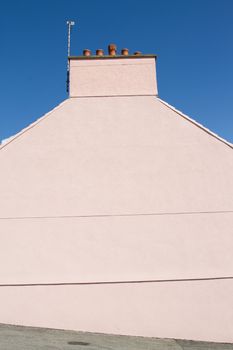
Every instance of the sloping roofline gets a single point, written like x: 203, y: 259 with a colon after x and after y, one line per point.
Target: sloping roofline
x: 211, y: 133
x: 30, y: 126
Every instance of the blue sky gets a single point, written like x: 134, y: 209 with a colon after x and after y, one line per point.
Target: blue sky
x: 192, y: 38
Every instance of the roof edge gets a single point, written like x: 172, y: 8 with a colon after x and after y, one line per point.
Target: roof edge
x: 211, y: 133
x: 94, y: 57
x: 30, y: 126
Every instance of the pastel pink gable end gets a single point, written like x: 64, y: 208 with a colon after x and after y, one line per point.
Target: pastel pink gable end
x: 116, y: 212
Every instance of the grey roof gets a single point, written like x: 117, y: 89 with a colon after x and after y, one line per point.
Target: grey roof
x: 30, y: 338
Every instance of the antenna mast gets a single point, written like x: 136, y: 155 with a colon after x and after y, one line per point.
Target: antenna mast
x: 69, y: 25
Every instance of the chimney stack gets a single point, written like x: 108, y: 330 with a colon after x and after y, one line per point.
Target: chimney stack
x: 111, y: 74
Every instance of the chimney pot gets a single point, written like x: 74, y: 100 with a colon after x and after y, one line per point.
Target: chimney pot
x: 99, y: 52
x: 125, y: 52
x: 112, y: 49
x: 137, y: 53
x: 86, y: 52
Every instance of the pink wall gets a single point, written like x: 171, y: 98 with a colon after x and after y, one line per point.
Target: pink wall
x: 119, y: 155
x: 112, y: 77
x: 116, y: 189
x: 108, y: 249
x: 192, y: 310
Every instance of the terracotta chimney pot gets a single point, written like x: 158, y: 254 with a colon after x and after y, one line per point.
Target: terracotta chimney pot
x: 86, y: 52
x: 112, y: 49
x: 137, y: 53
x: 125, y: 52
x: 99, y: 52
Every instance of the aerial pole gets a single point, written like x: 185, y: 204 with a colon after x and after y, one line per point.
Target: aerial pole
x: 69, y: 25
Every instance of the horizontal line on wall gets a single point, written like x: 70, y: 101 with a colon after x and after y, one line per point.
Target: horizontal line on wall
x: 115, y: 282
x: 115, y: 215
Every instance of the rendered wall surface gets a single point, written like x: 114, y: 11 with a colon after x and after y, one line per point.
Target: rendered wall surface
x: 112, y: 190
x: 112, y: 77
x: 198, y: 310
x: 111, y: 249
x: 116, y: 155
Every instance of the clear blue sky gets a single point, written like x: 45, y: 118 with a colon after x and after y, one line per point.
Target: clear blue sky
x: 192, y: 38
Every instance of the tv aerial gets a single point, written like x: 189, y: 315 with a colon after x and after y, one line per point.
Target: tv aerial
x: 70, y: 24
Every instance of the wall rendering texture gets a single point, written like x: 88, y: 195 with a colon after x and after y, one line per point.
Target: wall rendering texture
x: 116, y: 216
